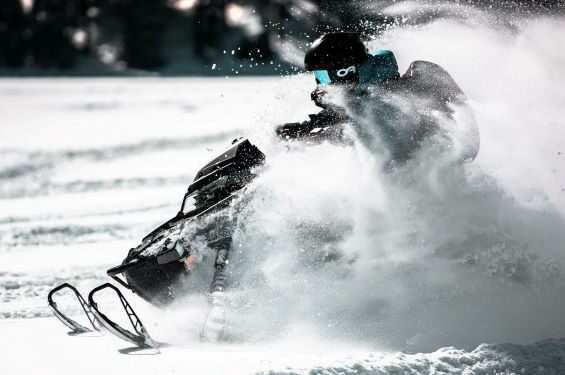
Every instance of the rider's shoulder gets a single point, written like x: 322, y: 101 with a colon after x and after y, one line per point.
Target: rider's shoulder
x: 380, y: 65
x: 425, y: 75
x: 420, y: 68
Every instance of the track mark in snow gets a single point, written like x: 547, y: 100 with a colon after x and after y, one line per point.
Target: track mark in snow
x: 24, y: 295
x: 136, y: 210
x: 65, y: 234
x: 25, y: 173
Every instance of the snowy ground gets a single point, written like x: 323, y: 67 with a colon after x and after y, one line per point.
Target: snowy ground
x: 88, y: 167
x: 54, y: 352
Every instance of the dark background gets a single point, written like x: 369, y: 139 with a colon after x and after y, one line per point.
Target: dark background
x: 183, y: 37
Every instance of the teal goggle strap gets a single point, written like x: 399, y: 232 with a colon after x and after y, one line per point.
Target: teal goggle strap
x: 322, y: 77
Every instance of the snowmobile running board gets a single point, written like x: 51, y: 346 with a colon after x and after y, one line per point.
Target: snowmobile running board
x: 140, y: 338
x: 75, y: 327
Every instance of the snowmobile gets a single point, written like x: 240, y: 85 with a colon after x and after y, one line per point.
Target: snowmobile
x: 156, y: 269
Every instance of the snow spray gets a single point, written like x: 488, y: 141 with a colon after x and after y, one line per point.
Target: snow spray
x: 334, y: 248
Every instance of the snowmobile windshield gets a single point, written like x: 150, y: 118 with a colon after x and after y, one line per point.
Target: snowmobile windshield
x: 189, y: 204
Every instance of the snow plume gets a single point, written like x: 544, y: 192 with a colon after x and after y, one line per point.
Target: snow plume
x: 335, y: 248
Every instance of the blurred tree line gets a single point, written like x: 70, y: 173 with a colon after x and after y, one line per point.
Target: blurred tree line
x: 141, y: 33
x: 135, y: 33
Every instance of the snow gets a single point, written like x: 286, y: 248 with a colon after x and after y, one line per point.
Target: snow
x: 432, y: 270
x: 41, y: 343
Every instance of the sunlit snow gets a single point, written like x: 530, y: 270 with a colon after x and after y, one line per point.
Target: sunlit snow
x: 437, y: 274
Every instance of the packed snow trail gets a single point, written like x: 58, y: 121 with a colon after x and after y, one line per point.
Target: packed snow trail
x: 340, y: 265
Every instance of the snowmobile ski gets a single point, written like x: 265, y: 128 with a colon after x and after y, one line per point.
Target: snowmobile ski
x: 75, y: 327
x: 157, y: 269
x: 140, y: 338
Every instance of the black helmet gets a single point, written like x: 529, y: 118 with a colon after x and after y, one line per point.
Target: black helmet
x: 335, y: 51
x: 334, y: 58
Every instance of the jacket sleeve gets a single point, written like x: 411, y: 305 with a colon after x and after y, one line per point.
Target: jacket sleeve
x: 325, y: 125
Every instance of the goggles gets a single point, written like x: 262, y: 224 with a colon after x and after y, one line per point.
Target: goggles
x: 345, y: 75
x: 382, y: 66
x: 322, y: 77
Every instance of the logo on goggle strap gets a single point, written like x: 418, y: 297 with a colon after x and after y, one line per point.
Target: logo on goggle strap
x: 345, y: 71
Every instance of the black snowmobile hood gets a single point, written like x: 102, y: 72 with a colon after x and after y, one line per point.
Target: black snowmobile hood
x: 241, y: 155
x: 235, y: 162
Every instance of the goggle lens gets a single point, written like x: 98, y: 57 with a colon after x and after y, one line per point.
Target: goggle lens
x: 322, y: 77
x: 345, y: 75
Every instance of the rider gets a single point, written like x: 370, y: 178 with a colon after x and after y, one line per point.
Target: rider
x: 341, y: 60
